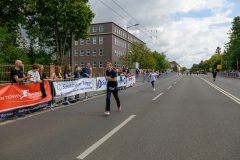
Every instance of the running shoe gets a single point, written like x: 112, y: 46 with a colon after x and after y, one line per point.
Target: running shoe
x: 153, y: 89
x: 107, y: 113
x: 119, y: 108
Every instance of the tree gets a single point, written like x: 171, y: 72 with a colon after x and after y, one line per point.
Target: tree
x: 11, y: 17
x: 140, y: 53
x: 175, y: 67
x: 184, y: 69
x: 57, y: 21
x: 9, y: 53
x: 161, y: 60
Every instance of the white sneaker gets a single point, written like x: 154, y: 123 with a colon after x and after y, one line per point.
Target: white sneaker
x: 153, y: 89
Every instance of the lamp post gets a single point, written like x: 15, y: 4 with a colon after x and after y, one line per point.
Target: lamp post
x: 127, y: 44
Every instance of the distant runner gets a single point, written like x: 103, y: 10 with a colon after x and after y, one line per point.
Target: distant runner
x: 153, y: 76
x: 214, y: 73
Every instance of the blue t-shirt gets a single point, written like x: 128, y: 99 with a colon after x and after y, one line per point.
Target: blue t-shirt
x: 111, y: 74
x: 68, y: 73
x: 86, y: 71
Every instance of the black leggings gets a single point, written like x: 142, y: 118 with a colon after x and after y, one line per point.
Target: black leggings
x: 152, y: 83
x: 115, y: 94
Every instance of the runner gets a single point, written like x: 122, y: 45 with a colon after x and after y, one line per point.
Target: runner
x: 214, y: 73
x: 111, y: 77
x: 153, y: 76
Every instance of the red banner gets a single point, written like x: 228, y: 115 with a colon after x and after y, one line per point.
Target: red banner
x: 17, y: 96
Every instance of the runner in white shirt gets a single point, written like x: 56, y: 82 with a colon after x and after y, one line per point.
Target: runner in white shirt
x: 153, y: 76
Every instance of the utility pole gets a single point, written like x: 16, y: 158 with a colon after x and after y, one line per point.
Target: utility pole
x: 127, y: 44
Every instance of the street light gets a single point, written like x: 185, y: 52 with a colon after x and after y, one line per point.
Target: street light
x: 127, y: 43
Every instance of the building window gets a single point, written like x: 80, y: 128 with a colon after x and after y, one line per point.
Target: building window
x: 76, y: 53
x: 100, y: 40
x: 115, y: 53
x: 82, y: 64
x: 115, y: 65
x: 115, y: 40
x: 94, y: 52
x: 88, y: 29
x: 76, y: 63
x: 94, y: 29
x: 100, y: 28
x: 82, y: 42
x: 76, y: 43
x: 94, y: 64
x: 82, y: 53
x: 94, y: 40
x: 88, y: 41
x: 100, y: 52
x: 115, y: 29
x: 100, y: 64
x: 88, y: 52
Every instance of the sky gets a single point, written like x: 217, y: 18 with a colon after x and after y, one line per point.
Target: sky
x: 187, y: 31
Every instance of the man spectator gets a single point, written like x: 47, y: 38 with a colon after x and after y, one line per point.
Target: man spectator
x: 86, y: 74
x: 17, y: 73
x: 18, y: 76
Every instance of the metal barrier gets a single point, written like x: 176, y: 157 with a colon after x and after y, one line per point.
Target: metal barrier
x: 144, y: 78
x: 61, y: 101
x: 229, y: 74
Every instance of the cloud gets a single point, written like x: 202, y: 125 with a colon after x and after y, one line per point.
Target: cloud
x: 186, y: 39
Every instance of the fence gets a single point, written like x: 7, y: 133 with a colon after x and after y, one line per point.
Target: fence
x: 17, y: 99
x: 229, y: 74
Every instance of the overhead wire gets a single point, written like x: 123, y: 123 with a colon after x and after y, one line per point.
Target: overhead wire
x: 130, y: 22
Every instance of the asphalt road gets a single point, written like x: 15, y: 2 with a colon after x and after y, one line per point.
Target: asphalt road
x: 186, y: 118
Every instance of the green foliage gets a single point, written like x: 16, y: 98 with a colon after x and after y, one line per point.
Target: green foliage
x: 184, y: 69
x: 161, y: 60
x: 175, y: 67
x: 57, y: 21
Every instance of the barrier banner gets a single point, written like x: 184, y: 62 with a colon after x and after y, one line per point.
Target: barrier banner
x: 122, y: 82
x: 16, y: 99
x: 131, y: 80
x: 69, y: 88
x: 102, y: 83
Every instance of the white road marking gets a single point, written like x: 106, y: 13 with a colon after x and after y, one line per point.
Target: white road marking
x: 175, y: 82
x: 223, y: 91
x: 169, y: 87
x: 98, y: 143
x: 157, y: 96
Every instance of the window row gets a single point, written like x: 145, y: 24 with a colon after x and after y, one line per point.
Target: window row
x: 120, y: 42
x: 88, y: 52
x: 119, y: 65
x: 119, y: 53
x: 94, y: 64
x: 88, y: 40
x: 124, y: 34
x: 94, y: 29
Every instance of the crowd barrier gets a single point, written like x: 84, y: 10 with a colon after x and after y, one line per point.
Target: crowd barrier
x: 229, y: 74
x: 19, y: 99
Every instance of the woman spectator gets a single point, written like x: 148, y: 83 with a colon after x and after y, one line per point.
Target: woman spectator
x: 42, y: 77
x: 35, y: 74
x: 67, y: 77
x: 56, y: 76
x: 77, y: 74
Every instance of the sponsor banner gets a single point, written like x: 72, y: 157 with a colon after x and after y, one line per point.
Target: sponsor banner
x: 131, y: 81
x: 69, y: 88
x: 122, y: 82
x: 15, y: 97
x: 102, y: 83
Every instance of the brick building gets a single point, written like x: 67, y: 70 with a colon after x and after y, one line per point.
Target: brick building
x: 106, y: 43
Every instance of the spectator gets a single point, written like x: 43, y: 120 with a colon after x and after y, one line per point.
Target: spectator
x: 77, y: 75
x: 86, y: 74
x: 42, y: 77
x: 56, y: 76
x: 137, y: 71
x: 35, y: 74
x: 67, y: 77
x: 18, y: 76
x: 17, y: 73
